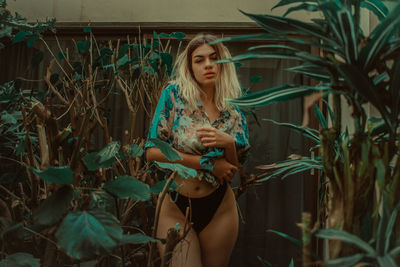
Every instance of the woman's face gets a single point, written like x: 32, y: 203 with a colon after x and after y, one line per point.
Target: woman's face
x: 204, y: 72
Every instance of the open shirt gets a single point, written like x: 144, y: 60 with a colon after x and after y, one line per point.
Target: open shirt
x: 176, y: 122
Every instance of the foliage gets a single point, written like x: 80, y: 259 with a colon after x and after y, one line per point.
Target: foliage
x: 63, y: 194
x: 361, y: 168
x: 25, y: 31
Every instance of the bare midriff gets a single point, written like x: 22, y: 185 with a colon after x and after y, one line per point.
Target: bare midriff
x: 193, y: 187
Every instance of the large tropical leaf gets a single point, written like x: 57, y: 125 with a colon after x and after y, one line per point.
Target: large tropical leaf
x: 159, y: 186
x: 54, y: 207
x: 166, y: 149
x: 104, y: 158
x: 361, y: 83
x: 56, y: 175
x: 303, y: 6
x: 87, y: 234
x: 311, y: 70
x: 288, y: 237
x: 377, y: 7
x: 287, y: 26
x: 346, y: 237
x: 349, y: 35
x: 182, y: 171
x: 349, y: 261
x: 380, y: 37
x: 307, y: 132
x: 386, y: 261
x: 277, y: 94
x: 128, y: 187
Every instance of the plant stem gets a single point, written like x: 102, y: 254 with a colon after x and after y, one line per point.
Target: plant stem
x: 157, y: 215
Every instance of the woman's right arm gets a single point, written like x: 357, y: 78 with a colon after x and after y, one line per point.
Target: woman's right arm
x: 223, y: 170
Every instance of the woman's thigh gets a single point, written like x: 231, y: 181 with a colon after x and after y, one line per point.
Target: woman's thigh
x: 218, y: 238
x: 187, y: 251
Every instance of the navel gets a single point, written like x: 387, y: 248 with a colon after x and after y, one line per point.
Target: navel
x: 197, y: 188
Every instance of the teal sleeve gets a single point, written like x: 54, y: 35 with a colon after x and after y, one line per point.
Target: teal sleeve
x: 241, y: 135
x: 161, y: 124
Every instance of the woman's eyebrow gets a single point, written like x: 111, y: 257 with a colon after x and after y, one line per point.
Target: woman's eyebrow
x: 210, y: 55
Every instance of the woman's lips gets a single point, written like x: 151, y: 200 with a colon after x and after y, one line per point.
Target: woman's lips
x: 209, y: 74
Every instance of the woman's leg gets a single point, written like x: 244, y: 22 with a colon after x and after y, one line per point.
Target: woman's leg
x: 218, y: 238
x: 187, y: 252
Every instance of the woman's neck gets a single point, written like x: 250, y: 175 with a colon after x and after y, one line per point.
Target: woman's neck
x: 208, y: 95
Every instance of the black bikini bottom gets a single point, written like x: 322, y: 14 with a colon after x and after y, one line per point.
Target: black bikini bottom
x: 202, y: 209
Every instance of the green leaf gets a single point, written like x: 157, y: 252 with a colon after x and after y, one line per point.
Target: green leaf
x: 31, y: 41
x: 288, y: 237
x: 56, y: 175
x: 20, y: 260
x: 104, y: 158
x: 137, y: 239
x: 20, y: 37
x: 320, y: 117
x: 349, y: 35
x: 287, y: 26
x: 37, y: 58
x: 127, y: 186
x: 307, y: 132
x: 177, y: 35
x: 87, y: 234
x: 313, y: 71
x: 166, y: 149
x: 303, y: 6
x: 183, y: 171
x: 346, y: 237
x: 386, y: 261
x: 291, y: 264
x: 123, y: 61
x: 277, y: 94
x: 380, y: 37
x: 361, y: 83
x: 377, y: 7
x: 101, y: 200
x: 87, y: 29
x: 389, y: 228
x: 52, y: 209
x: 349, y: 261
x: 134, y: 150
x: 159, y: 186
x: 83, y: 46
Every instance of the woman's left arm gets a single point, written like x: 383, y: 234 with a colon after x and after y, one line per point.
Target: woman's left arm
x: 212, y: 137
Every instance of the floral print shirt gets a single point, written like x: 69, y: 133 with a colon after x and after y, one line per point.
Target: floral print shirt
x: 176, y: 122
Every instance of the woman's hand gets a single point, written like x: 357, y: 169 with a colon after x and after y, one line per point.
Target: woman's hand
x: 211, y: 137
x: 223, y: 170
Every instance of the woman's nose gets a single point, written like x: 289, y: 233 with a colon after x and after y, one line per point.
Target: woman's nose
x: 208, y: 63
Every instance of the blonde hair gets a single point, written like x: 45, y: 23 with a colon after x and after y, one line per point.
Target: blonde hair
x: 227, y: 84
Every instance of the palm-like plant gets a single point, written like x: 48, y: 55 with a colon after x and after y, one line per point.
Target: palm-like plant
x: 363, y: 169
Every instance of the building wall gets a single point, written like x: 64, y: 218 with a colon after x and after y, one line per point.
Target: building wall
x: 145, y: 10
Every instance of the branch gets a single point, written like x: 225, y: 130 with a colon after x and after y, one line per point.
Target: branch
x: 47, y: 80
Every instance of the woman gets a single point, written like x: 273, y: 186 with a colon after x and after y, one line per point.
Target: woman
x: 211, y: 136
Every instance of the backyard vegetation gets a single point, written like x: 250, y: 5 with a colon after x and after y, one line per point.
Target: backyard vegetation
x: 67, y: 200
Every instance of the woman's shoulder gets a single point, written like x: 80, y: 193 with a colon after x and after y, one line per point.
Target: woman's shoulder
x: 171, y: 88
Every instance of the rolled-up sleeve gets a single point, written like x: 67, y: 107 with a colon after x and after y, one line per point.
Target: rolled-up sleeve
x: 161, y: 125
